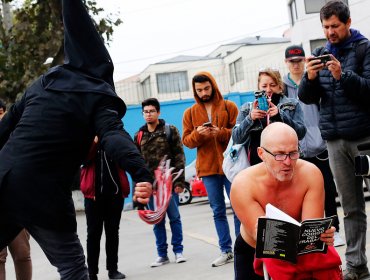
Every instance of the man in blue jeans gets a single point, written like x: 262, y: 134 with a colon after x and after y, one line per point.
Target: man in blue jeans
x: 207, y: 126
x: 155, y: 140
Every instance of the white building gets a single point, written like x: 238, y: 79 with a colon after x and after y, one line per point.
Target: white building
x: 235, y: 66
x: 306, y: 26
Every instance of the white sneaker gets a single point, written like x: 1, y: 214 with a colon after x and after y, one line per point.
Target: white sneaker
x: 180, y: 258
x: 224, y: 258
x: 160, y: 261
x: 338, y: 241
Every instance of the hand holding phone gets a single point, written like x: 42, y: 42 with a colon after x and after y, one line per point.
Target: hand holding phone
x: 323, y: 58
x: 207, y: 124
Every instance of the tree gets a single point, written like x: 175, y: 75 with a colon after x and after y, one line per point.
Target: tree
x: 37, y: 34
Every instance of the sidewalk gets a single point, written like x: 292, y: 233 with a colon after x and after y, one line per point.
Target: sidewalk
x: 137, y: 248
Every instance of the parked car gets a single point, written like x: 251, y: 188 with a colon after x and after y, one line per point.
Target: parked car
x: 194, y: 186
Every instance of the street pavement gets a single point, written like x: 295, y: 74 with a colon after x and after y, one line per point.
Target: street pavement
x: 137, y: 248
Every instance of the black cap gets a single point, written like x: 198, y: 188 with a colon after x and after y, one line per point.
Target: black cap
x: 294, y: 52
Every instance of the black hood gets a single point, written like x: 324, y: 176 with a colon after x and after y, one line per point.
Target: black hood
x: 84, y: 48
x: 87, y: 66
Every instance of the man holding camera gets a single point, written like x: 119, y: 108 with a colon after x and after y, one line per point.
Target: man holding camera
x: 211, y: 140
x: 342, y: 88
x: 312, y: 146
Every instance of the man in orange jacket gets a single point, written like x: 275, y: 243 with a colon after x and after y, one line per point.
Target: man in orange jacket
x: 207, y: 126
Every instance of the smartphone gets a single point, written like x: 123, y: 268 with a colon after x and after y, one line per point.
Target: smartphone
x: 208, y: 124
x: 323, y: 58
x: 262, y: 100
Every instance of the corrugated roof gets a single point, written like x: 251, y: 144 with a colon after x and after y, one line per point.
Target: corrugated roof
x: 257, y: 40
x: 183, y: 58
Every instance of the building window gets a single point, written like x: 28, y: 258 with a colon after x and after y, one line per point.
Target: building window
x: 236, y: 71
x: 317, y: 43
x: 147, y: 91
x: 172, y: 82
x: 314, y: 6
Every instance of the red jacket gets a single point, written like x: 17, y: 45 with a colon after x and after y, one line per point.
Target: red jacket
x: 88, y: 175
x: 310, y: 266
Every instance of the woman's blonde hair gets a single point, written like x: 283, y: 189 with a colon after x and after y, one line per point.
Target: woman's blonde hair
x: 275, y: 75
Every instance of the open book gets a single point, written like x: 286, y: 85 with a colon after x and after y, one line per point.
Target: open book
x: 282, y: 237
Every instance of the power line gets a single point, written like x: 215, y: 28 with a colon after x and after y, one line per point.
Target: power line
x: 206, y: 45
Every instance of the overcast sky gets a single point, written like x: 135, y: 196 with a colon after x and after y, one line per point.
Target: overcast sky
x: 155, y: 30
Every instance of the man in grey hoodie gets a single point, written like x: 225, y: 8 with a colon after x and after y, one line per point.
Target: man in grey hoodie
x: 312, y: 146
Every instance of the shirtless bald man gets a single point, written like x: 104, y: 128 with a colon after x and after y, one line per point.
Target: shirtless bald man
x: 293, y: 185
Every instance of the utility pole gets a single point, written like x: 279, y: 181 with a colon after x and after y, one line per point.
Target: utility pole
x: 7, y: 16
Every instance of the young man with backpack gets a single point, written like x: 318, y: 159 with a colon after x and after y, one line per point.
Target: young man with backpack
x: 342, y: 87
x: 156, y: 140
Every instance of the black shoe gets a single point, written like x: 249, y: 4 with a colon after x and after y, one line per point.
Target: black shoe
x: 116, y: 275
x: 93, y: 277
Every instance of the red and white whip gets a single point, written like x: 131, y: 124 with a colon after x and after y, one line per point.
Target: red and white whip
x: 162, y: 192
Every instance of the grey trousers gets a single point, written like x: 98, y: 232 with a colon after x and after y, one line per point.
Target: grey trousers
x: 351, y: 195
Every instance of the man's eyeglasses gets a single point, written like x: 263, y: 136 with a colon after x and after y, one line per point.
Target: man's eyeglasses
x: 282, y: 157
x: 149, y: 112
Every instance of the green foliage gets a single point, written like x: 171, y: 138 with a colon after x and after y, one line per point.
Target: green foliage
x: 36, y: 34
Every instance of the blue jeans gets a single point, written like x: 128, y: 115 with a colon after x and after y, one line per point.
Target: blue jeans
x: 215, y: 189
x: 350, y: 189
x: 176, y: 228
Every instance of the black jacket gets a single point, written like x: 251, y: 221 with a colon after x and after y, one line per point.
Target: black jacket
x: 45, y: 137
x: 344, y: 104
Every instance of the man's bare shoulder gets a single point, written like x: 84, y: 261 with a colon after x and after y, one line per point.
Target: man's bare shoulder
x: 249, y: 176
x: 309, y: 173
x: 305, y: 168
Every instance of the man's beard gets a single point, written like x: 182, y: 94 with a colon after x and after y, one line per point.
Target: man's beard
x: 206, y: 98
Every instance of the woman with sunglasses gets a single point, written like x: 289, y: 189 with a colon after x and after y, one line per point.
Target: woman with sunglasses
x: 249, y: 125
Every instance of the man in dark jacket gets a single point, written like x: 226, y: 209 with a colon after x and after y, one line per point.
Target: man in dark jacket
x: 312, y: 146
x: 46, y: 135
x: 342, y: 87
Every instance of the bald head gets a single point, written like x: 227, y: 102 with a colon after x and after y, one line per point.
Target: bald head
x: 277, y: 134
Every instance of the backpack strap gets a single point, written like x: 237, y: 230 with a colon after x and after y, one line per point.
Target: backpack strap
x: 168, y: 131
x: 139, y: 137
x: 360, y: 55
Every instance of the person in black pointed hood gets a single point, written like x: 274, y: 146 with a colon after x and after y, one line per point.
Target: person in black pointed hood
x: 45, y: 137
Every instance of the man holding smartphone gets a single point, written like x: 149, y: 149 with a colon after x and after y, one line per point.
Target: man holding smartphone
x: 342, y: 87
x: 207, y: 126
x: 314, y: 151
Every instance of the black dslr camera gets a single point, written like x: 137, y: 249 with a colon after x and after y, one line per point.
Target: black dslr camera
x: 362, y: 162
